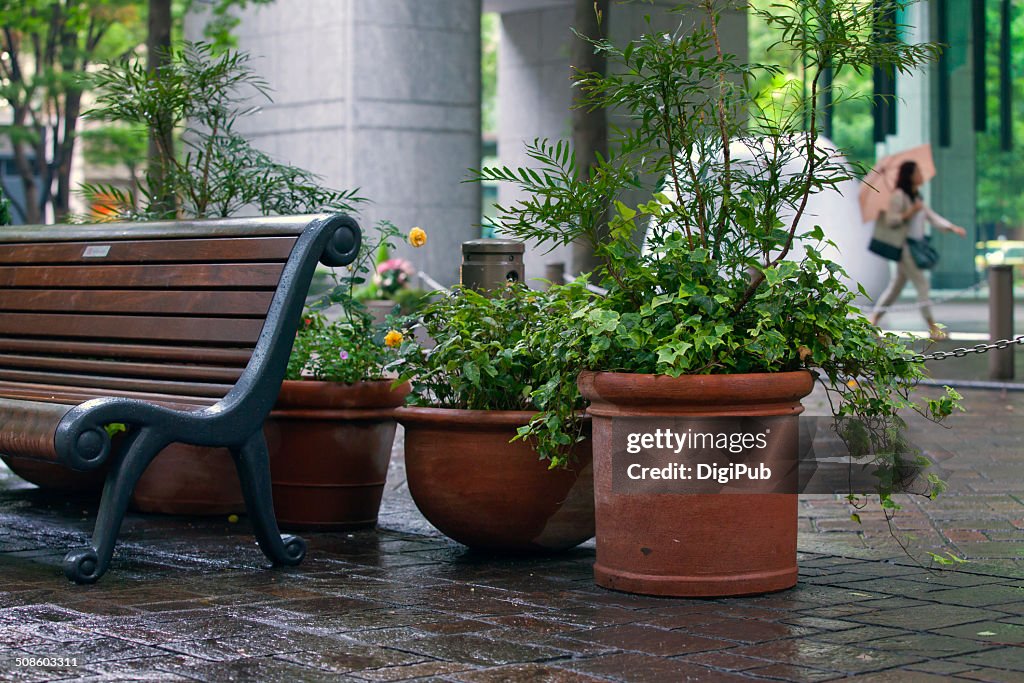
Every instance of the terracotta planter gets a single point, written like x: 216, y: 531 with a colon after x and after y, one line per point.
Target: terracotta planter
x: 696, y: 545
x: 190, y: 480
x: 379, y: 309
x: 181, y: 480
x: 330, y: 446
x: 484, y: 492
x: 58, y: 478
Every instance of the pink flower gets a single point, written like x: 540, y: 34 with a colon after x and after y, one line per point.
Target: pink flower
x: 343, y: 354
x: 393, y: 274
x: 395, y: 264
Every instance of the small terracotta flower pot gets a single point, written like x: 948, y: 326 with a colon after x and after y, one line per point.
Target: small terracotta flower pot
x: 695, y: 545
x: 484, y: 492
x: 330, y: 446
x: 190, y: 480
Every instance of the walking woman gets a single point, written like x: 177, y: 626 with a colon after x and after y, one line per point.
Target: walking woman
x: 907, y: 212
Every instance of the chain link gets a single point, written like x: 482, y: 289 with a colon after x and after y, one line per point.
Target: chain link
x: 964, y: 351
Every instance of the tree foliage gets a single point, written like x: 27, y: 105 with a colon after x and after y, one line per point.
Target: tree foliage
x: 45, y: 47
x: 1001, y: 171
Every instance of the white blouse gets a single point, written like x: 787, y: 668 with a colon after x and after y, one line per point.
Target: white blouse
x: 900, y: 203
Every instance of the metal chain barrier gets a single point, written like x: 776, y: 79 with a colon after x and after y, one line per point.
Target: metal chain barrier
x: 964, y: 351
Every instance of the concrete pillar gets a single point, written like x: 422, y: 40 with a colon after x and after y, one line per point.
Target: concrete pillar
x: 534, y: 77
x: 954, y: 190
x: 914, y: 127
x: 383, y: 95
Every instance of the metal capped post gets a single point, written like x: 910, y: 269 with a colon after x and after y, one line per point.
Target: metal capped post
x: 1000, y: 316
x: 490, y: 263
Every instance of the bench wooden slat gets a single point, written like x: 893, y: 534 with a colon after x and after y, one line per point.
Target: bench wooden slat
x: 187, y: 229
x: 185, y: 276
x: 199, y: 302
x: 52, y: 393
x: 235, y: 331
x: 198, y: 373
x: 182, y: 354
x: 102, y: 383
x: 150, y: 251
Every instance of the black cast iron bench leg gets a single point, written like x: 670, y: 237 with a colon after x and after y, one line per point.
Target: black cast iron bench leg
x: 86, y: 565
x: 253, y: 466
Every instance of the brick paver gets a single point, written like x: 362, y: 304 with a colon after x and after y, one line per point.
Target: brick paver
x: 189, y: 598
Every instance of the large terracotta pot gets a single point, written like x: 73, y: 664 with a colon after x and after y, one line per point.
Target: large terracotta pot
x: 484, y: 492
x: 701, y: 544
x: 330, y: 446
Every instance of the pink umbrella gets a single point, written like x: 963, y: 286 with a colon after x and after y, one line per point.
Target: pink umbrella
x: 880, y: 183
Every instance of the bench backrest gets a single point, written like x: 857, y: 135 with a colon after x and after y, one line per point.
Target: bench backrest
x: 163, y: 311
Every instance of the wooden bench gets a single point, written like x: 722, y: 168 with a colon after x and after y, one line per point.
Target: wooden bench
x: 180, y: 330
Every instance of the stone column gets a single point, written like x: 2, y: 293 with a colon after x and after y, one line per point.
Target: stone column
x: 954, y: 191
x: 383, y: 95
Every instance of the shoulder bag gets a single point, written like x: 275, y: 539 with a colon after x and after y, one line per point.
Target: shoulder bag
x: 924, y: 254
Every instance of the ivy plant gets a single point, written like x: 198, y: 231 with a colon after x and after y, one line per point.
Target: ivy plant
x: 487, y: 356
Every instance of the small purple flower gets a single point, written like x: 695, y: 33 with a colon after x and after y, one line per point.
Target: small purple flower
x: 343, y: 354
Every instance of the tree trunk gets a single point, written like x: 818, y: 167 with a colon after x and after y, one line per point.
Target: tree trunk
x: 33, y: 215
x: 66, y: 150
x: 589, y: 128
x: 161, y: 145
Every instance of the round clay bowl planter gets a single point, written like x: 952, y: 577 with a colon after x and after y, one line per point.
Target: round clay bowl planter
x: 330, y: 446
x: 691, y: 545
x: 486, y: 493
x: 190, y: 480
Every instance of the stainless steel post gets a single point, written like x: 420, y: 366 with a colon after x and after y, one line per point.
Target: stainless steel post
x: 490, y: 263
x: 1000, y: 320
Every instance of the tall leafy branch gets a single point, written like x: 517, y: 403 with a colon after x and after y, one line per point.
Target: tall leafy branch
x: 705, y: 253
x: 198, y: 96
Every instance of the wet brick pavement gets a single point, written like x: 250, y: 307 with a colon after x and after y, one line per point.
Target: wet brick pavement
x: 190, y: 599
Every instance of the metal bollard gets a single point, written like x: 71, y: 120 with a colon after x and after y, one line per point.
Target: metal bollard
x: 555, y: 274
x: 490, y: 263
x: 1000, y: 320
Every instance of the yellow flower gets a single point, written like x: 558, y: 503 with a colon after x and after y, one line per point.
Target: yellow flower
x: 393, y: 338
x: 852, y: 384
x: 417, y: 237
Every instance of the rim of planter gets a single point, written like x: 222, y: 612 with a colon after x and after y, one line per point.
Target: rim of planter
x: 469, y: 419
x: 319, y: 399
x: 694, y: 392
